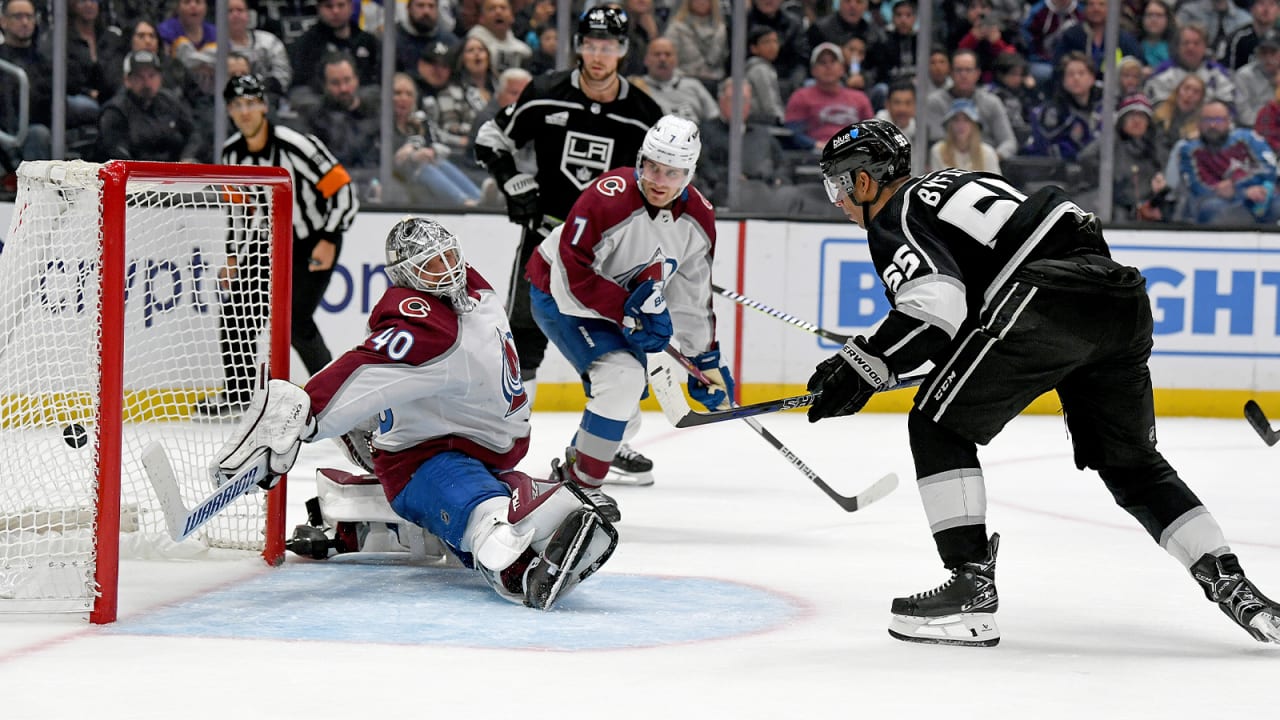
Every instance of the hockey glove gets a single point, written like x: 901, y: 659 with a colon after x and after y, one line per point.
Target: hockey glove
x: 522, y: 199
x: 279, y: 420
x: 847, y: 380
x: 647, y: 323
x: 721, y: 388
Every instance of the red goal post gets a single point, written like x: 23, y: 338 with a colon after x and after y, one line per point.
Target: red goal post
x: 130, y: 294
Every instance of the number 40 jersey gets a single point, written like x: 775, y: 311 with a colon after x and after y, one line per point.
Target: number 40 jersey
x: 946, y: 242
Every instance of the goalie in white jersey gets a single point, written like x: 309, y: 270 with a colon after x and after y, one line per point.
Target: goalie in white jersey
x: 432, y: 403
x: 628, y: 272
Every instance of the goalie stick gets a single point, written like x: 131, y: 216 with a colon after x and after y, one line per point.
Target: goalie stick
x: 1261, y: 425
x: 875, y: 491
x: 181, y: 521
x: 775, y: 313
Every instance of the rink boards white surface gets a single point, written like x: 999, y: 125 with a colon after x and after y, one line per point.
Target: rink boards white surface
x: 738, y: 591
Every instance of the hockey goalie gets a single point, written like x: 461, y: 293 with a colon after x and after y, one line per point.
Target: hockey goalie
x: 431, y: 403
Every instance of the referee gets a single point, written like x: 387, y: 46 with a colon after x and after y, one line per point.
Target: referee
x: 324, y: 205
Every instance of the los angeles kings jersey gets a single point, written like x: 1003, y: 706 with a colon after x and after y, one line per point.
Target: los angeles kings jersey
x: 435, y: 379
x: 591, y: 262
x: 575, y: 138
x: 947, y: 241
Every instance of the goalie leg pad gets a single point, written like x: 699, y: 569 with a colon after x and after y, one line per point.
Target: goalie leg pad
x: 582, y: 543
x: 537, y: 506
x: 493, y: 542
x: 974, y: 629
x: 443, y: 493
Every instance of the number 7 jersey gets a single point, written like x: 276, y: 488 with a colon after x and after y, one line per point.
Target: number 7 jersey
x: 946, y: 242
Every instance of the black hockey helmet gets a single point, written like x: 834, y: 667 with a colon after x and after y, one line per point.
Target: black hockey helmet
x: 876, y: 147
x: 603, y: 21
x: 244, y: 86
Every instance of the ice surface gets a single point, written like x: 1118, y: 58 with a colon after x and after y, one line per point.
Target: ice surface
x: 738, y: 591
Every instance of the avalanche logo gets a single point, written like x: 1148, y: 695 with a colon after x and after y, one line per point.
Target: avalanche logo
x: 512, y: 385
x: 414, y: 307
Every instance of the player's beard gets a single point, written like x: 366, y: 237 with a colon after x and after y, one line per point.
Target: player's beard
x: 600, y: 79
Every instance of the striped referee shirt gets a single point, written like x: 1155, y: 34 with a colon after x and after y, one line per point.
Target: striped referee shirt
x: 324, y: 198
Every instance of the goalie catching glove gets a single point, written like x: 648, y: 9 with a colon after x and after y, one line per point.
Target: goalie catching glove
x: 847, y: 380
x: 720, y: 389
x: 278, y: 421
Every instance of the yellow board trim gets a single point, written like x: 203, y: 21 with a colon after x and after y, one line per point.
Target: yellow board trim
x: 568, y: 397
x: 60, y: 409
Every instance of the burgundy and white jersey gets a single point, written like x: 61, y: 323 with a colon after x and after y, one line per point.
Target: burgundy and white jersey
x: 436, y: 380
x: 589, y: 264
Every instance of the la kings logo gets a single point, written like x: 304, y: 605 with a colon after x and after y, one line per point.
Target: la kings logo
x: 585, y: 157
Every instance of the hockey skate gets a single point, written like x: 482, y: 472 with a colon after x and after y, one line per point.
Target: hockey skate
x: 960, y: 611
x: 582, y: 543
x: 593, y: 496
x: 1223, y: 582
x: 629, y: 467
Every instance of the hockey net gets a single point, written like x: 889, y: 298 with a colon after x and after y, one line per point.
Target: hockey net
x: 113, y: 327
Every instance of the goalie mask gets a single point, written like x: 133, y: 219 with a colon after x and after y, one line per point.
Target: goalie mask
x: 876, y: 147
x: 423, y: 255
x: 673, y: 141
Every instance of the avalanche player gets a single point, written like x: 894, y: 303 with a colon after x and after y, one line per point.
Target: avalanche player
x: 439, y: 373
x: 628, y: 270
x: 582, y: 123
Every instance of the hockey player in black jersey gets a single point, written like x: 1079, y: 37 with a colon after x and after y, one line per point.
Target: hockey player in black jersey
x: 582, y: 123
x: 1010, y: 297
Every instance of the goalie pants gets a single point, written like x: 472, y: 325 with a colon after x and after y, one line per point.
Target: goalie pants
x: 443, y: 492
x: 1081, y: 327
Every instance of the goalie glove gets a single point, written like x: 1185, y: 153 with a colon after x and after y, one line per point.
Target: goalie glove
x: 357, y: 444
x: 847, y: 380
x: 721, y: 388
x: 522, y: 199
x: 278, y: 420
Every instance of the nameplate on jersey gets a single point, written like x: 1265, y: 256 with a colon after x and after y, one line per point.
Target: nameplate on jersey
x: 585, y: 157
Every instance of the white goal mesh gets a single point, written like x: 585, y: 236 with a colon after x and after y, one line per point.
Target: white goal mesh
x: 193, y: 332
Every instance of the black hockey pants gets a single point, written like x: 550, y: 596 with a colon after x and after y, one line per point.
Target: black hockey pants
x: 1080, y: 326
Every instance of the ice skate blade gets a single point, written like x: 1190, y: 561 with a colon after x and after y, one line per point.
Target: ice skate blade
x: 622, y: 477
x: 974, y: 629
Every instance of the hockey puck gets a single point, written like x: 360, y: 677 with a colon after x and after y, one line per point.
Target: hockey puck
x: 75, y: 435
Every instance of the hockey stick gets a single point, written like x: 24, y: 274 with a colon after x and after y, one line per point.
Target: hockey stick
x: 181, y: 521
x: 875, y: 491
x: 1258, y: 419
x: 679, y: 414
x: 775, y: 313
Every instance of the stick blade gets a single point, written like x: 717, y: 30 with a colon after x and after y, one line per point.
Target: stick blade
x: 159, y: 471
x: 667, y: 389
x: 1261, y: 425
x: 878, y: 490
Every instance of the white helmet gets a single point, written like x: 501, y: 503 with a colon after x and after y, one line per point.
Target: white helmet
x: 672, y: 141
x: 412, y: 244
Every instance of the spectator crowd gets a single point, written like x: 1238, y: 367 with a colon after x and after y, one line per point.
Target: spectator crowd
x: 1014, y: 87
